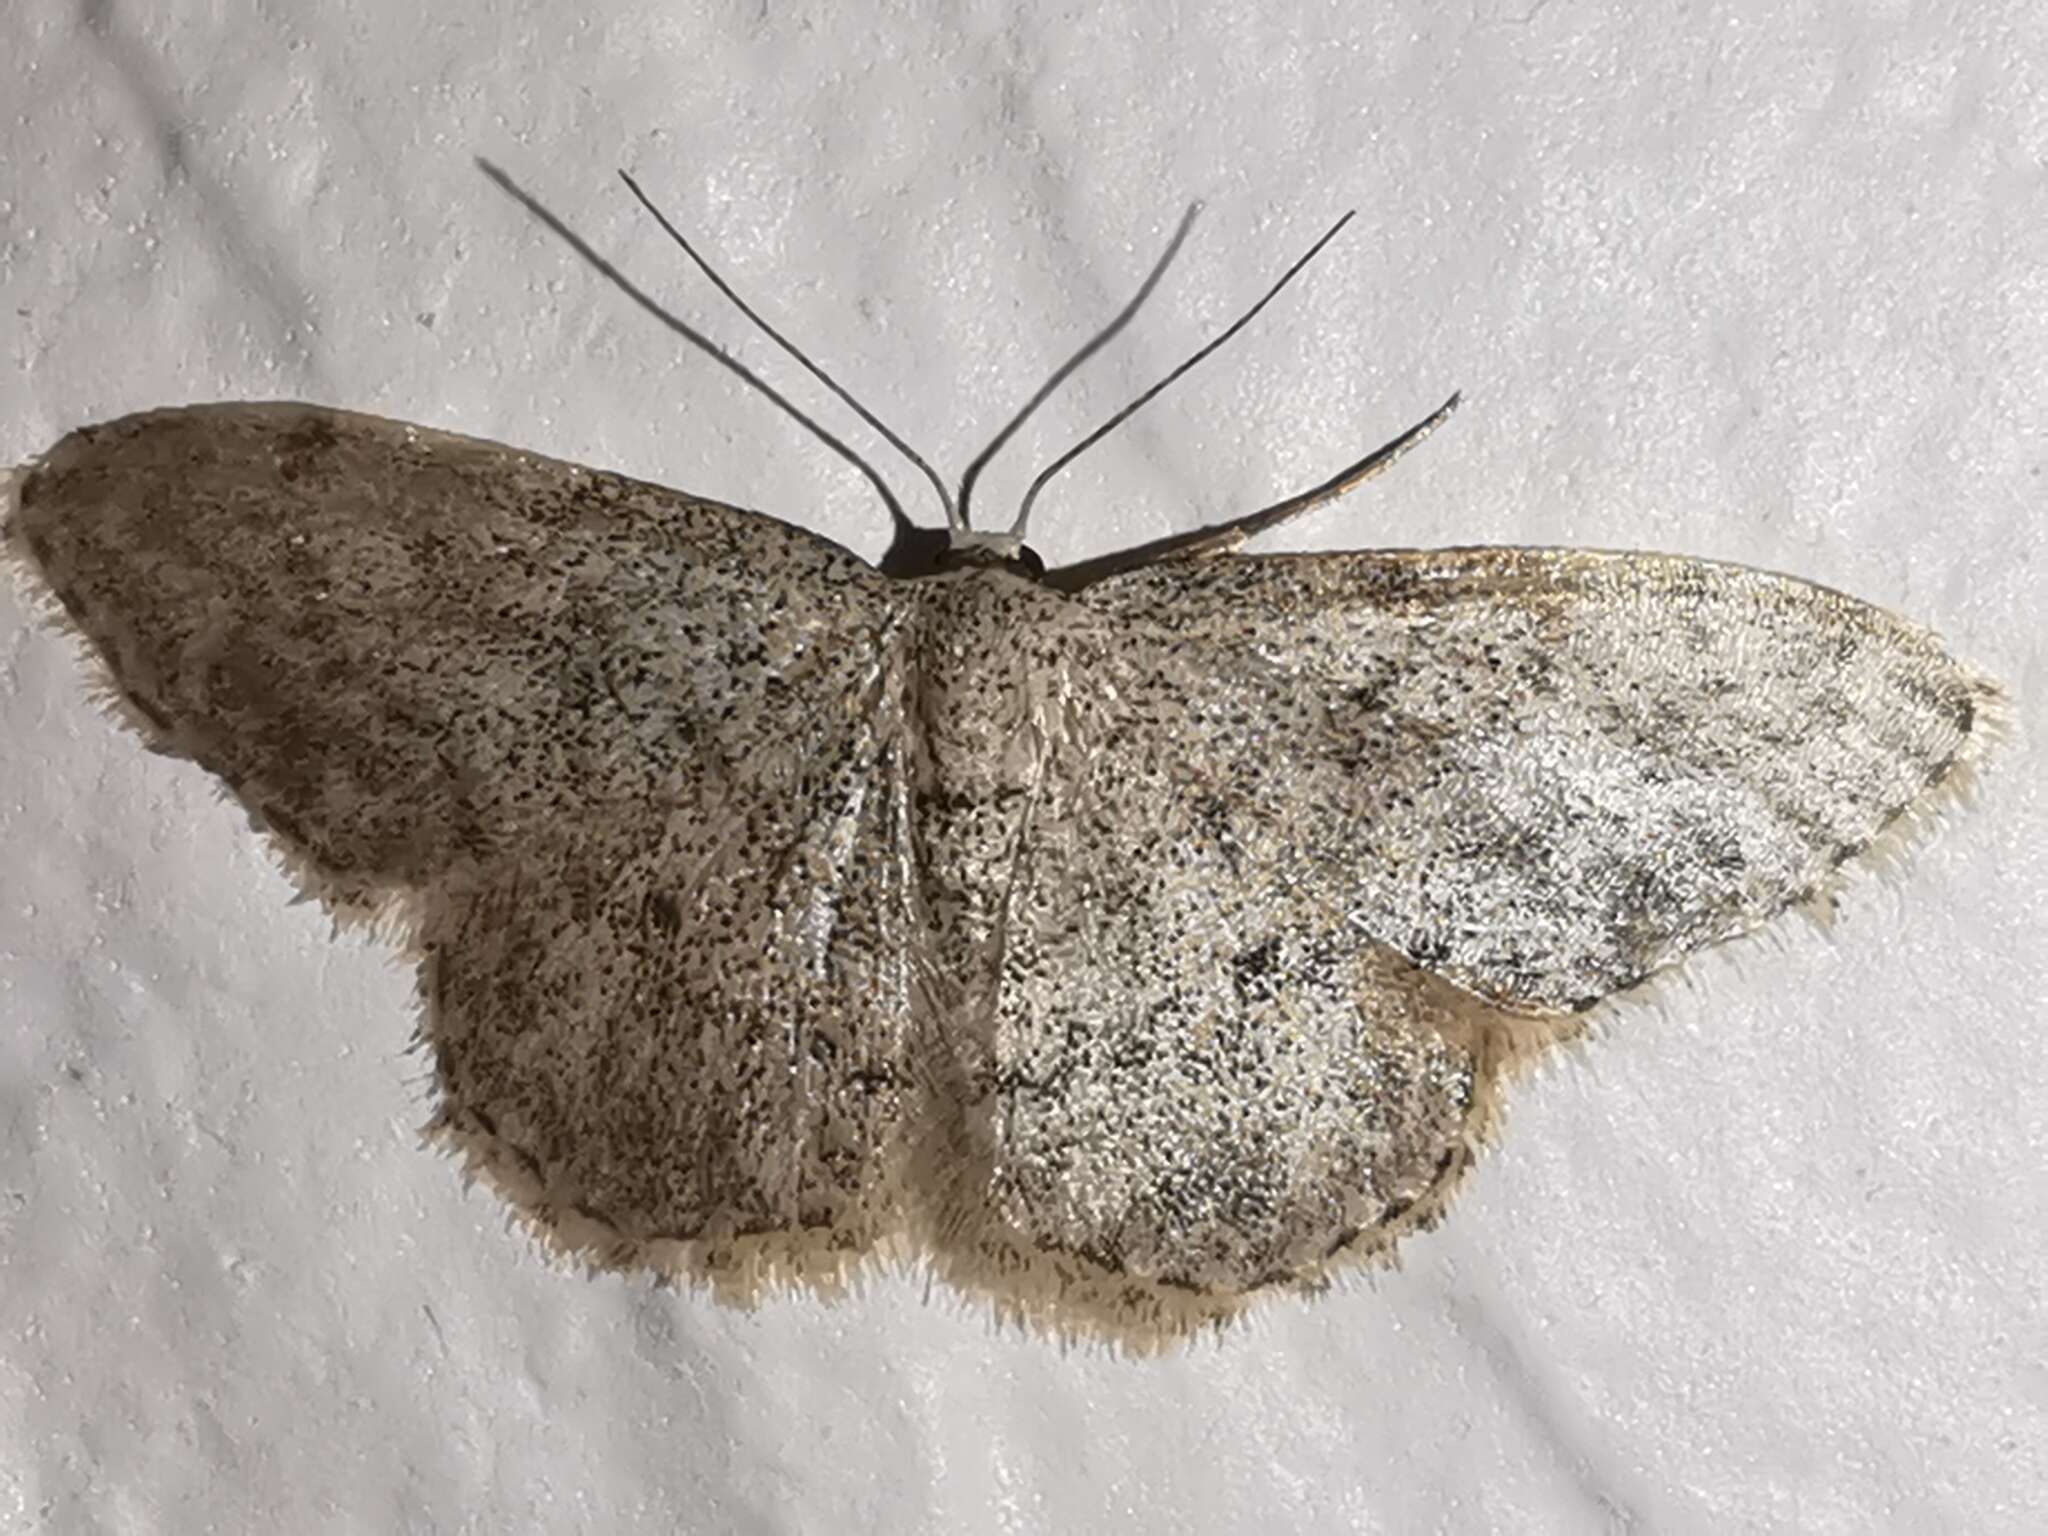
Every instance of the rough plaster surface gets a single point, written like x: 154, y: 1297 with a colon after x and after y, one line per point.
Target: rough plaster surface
x: 1759, y: 282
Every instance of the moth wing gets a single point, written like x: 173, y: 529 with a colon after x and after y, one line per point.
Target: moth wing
x: 1545, y: 775
x: 1308, y: 850
x: 404, y: 649
x: 627, y: 758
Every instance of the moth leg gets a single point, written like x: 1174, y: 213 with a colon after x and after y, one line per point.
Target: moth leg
x: 1224, y: 538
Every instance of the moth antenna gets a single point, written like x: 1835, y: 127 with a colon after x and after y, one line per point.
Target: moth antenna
x: 1095, y: 344
x: 954, y: 519
x: 1073, y: 453
x: 697, y: 339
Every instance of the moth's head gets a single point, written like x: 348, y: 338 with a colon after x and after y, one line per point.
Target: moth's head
x: 917, y: 552
x: 969, y: 549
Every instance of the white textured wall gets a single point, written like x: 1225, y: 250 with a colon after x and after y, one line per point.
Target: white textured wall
x: 1756, y: 281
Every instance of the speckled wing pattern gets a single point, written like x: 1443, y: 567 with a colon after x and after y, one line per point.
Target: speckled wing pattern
x: 1123, y: 953
x: 1296, y: 856
x: 1546, y: 774
x: 625, y: 766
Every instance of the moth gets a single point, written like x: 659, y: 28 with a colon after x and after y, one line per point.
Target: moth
x: 1125, y: 943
